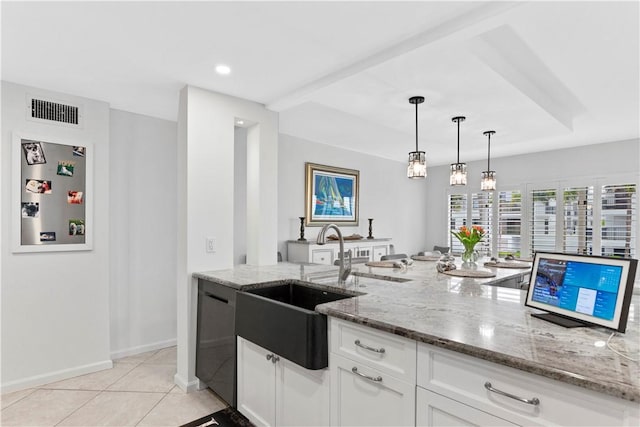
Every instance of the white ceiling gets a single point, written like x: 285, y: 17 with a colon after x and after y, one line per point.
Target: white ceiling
x: 544, y: 75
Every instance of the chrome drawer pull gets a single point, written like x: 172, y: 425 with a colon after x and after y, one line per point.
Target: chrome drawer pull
x: 366, y: 347
x: 535, y: 401
x: 376, y: 379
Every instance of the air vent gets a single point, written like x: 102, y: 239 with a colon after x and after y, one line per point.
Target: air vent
x: 47, y: 110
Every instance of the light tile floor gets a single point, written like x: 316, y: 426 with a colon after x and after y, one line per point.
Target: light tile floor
x: 138, y: 391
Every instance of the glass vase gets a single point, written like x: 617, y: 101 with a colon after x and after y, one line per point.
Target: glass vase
x: 470, y: 257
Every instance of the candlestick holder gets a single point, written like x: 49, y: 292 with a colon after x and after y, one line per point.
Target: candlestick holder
x: 302, y: 239
x: 370, y: 236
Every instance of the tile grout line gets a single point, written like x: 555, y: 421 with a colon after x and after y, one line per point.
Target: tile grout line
x: 13, y: 403
x: 154, y: 406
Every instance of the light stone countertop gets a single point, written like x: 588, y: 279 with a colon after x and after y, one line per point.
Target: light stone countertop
x: 463, y: 315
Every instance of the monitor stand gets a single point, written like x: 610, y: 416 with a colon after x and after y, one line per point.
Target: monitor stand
x: 560, y: 320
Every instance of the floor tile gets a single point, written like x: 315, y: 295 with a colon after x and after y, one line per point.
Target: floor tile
x: 166, y: 356
x: 114, y: 408
x: 95, y: 381
x: 180, y: 408
x: 151, y: 378
x: 11, y: 398
x: 45, y: 407
x: 136, y: 358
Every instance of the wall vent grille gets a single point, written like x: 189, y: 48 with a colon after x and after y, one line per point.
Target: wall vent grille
x: 47, y: 110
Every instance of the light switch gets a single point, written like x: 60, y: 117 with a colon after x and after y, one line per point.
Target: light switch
x: 211, y: 244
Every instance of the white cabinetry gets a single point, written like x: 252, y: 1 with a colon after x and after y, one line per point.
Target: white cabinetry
x: 328, y: 253
x: 372, y: 377
x: 453, y: 387
x: 273, y: 391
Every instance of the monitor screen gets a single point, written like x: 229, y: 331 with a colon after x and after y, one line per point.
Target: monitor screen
x: 578, y: 289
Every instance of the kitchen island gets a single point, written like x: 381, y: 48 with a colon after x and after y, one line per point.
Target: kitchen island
x: 472, y: 318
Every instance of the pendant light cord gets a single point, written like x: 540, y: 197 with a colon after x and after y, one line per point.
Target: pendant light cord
x: 416, y: 127
x: 458, y: 140
x: 489, y: 154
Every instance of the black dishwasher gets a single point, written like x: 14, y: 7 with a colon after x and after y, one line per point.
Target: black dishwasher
x: 216, y: 339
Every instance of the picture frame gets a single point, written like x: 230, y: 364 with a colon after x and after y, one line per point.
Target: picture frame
x: 332, y: 195
x: 52, y: 193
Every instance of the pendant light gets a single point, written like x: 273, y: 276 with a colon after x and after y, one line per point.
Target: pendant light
x: 417, y: 167
x: 488, y: 181
x: 458, y: 170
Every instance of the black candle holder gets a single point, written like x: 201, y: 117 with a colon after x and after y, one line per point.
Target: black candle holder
x: 370, y: 236
x: 302, y: 239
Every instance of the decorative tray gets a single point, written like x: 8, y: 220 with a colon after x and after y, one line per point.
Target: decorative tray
x: 426, y: 257
x: 470, y: 273
x: 386, y: 264
x: 351, y: 237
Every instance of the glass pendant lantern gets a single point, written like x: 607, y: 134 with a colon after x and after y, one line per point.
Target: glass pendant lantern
x: 458, y: 170
x: 417, y: 167
x: 488, y: 180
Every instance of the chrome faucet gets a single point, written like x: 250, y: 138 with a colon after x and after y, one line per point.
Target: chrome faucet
x: 321, y: 240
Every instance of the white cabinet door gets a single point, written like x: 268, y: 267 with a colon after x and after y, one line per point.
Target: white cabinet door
x: 433, y: 410
x: 380, y: 400
x: 256, y: 386
x: 322, y: 256
x: 302, y: 397
x: 379, y: 251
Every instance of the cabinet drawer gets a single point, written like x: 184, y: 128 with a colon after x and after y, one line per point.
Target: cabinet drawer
x: 386, y: 352
x: 379, y: 400
x: 463, y: 378
x: 322, y: 256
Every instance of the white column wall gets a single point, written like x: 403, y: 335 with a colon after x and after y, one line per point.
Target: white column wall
x: 55, y: 305
x: 206, y: 199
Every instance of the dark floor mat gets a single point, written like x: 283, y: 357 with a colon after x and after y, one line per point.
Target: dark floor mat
x: 227, y: 417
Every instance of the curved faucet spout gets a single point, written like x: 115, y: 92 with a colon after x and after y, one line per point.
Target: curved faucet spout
x: 321, y: 240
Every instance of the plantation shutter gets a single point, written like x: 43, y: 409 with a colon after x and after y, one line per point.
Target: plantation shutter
x: 578, y: 220
x: 542, y: 224
x: 457, y: 218
x: 509, y: 223
x: 619, y: 217
x: 482, y: 215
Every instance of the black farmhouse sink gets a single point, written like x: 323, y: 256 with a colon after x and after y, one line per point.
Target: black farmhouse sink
x: 281, y: 318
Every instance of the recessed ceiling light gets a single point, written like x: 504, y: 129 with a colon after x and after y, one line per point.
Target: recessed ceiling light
x: 239, y: 122
x: 223, y: 69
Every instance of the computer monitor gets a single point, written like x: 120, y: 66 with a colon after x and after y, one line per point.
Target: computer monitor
x: 582, y: 290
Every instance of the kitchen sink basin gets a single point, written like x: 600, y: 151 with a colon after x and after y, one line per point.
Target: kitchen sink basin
x: 281, y: 318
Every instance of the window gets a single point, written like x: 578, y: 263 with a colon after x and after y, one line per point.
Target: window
x: 509, y: 223
x: 578, y: 220
x: 482, y: 215
x: 542, y: 220
x: 619, y: 220
x: 457, y: 218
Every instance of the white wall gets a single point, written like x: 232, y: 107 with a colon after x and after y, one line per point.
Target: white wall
x: 143, y: 235
x: 240, y: 197
x: 580, y: 164
x: 55, y: 305
x: 206, y: 199
x: 396, y: 203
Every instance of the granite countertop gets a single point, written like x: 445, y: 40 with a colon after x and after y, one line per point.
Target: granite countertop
x: 467, y: 316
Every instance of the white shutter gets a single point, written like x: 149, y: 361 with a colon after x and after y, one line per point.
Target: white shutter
x: 542, y: 221
x: 578, y: 220
x: 618, y: 220
x: 457, y: 205
x: 509, y: 223
x: 482, y: 215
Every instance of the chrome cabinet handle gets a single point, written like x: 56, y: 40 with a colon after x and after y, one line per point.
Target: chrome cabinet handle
x: 366, y: 347
x: 273, y: 358
x: 376, y: 379
x: 535, y: 401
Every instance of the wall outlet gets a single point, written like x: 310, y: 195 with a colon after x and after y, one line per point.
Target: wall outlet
x: 211, y: 244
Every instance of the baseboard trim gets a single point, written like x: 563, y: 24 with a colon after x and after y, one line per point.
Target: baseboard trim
x: 38, y: 380
x: 143, y: 348
x: 186, y: 386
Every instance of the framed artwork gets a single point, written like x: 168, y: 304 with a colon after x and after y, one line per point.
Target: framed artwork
x: 52, y: 186
x: 331, y: 195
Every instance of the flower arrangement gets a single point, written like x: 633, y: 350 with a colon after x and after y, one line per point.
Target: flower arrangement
x: 469, y: 238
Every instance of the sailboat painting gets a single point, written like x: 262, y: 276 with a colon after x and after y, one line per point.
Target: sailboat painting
x: 331, y: 195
